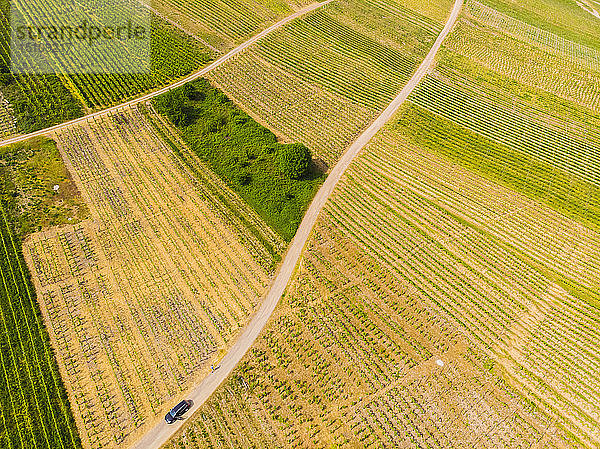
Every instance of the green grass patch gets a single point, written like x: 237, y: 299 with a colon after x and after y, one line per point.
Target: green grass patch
x: 563, y: 192
x: 242, y: 152
x: 29, y: 172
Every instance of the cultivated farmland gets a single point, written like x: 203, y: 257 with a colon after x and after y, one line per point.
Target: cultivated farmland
x: 432, y: 308
x: 573, y: 20
x: 320, y: 79
x: 449, y: 294
x: 222, y: 23
x: 509, y: 127
x: 528, y: 55
x: 142, y: 296
x: 37, y: 101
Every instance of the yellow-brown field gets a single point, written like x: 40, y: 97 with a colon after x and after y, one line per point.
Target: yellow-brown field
x: 139, y: 298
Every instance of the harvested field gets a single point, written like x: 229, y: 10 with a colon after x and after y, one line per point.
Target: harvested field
x: 142, y: 296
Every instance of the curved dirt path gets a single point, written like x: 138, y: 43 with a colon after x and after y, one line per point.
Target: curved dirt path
x: 161, y: 432
x: 179, y: 83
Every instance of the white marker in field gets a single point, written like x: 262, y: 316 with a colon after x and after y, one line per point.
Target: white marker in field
x: 439, y: 362
x: 56, y: 187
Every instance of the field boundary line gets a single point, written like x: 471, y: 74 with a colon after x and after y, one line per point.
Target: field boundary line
x: 213, y: 65
x: 160, y: 433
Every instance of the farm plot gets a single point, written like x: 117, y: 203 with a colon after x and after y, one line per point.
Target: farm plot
x: 556, y: 17
x: 437, y: 11
x: 429, y: 310
x: 222, y: 23
x: 569, y: 146
x: 528, y: 64
x: 35, y: 407
x: 324, y: 77
x: 142, y: 296
x: 67, y: 90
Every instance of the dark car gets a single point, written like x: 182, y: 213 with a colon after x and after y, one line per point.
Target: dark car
x: 177, y: 411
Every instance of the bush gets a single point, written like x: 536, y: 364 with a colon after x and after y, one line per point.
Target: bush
x: 293, y: 160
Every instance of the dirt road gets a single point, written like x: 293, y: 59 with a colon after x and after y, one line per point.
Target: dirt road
x: 157, y: 436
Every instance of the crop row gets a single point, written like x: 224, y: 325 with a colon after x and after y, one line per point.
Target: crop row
x: 526, y: 63
x: 521, y: 130
x: 360, y: 52
x: 7, y: 119
x: 566, y: 344
x: 419, y: 280
x: 47, y: 90
x: 588, y: 57
x: 566, y: 195
x: 229, y: 206
x: 232, y: 19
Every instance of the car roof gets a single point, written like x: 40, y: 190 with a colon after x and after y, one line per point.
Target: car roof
x: 179, y: 406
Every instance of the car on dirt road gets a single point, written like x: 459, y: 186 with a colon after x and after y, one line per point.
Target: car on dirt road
x: 178, y: 411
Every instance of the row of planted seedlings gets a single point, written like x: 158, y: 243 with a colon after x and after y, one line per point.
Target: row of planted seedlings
x: 519, y: 132
x: 29, y: 408
x: 137, y: 314
x: 98, y: 341
x: 234, y: 21
x: 382, y: 70
x: 487, y: 208
x: 428, y: 267
x: 177, y: 301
